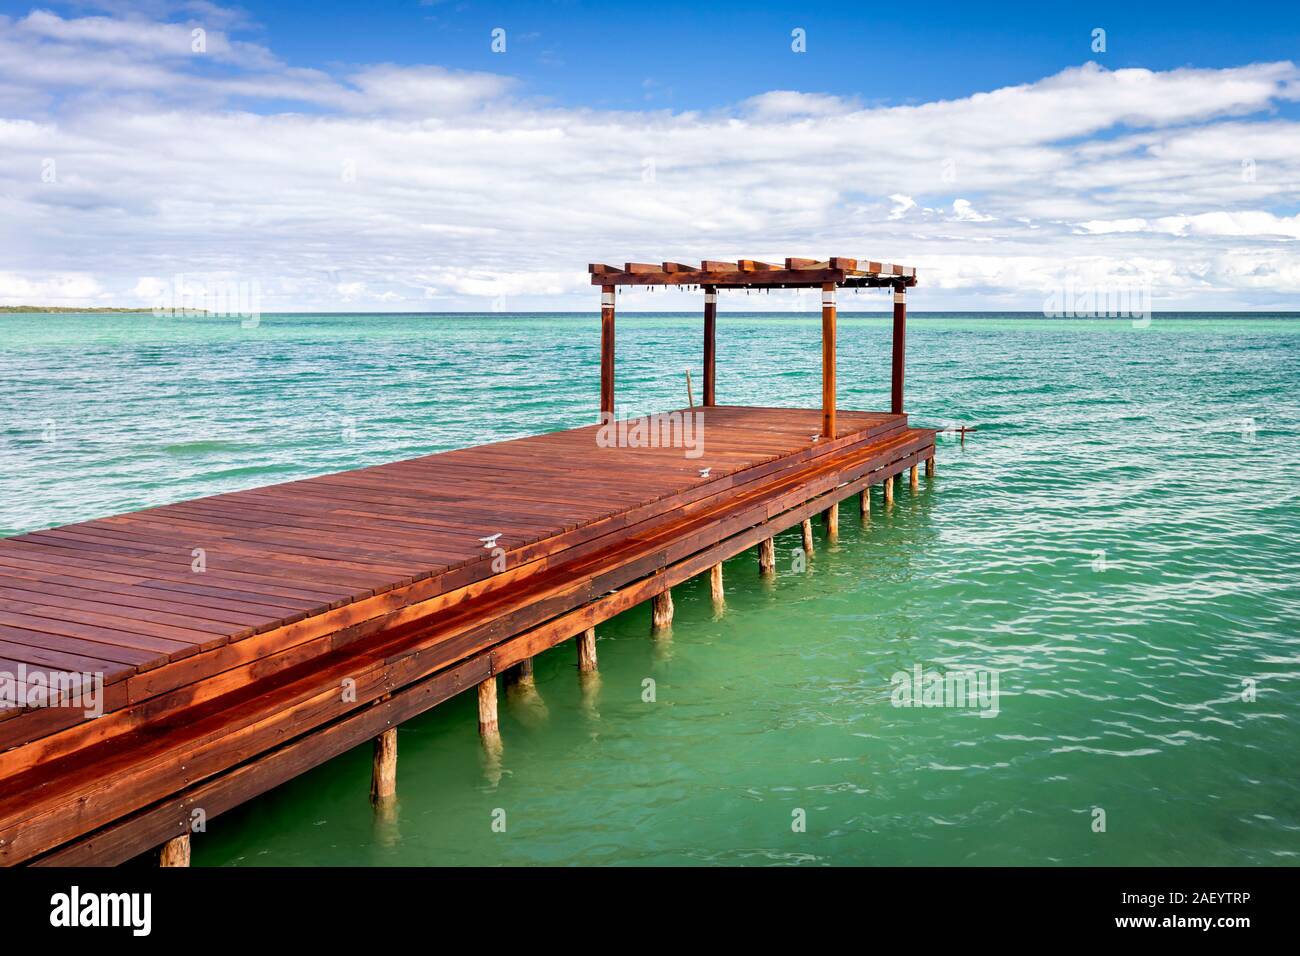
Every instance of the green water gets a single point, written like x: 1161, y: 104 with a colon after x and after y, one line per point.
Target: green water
x: 1120, y: 674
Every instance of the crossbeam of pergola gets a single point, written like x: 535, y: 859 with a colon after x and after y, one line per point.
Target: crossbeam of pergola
x: 710, y: 276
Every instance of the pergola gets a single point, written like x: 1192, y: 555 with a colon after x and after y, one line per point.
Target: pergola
x: 829, y: 274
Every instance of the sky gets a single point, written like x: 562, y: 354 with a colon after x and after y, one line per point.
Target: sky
x: 465, y: 156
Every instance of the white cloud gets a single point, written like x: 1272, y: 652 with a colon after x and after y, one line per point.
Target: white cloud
x: 437, y: 188
x: 902, y: 204
x: 963, y: 211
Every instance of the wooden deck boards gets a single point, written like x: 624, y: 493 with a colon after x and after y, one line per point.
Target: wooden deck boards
x: 277, y: 553
x: 377, y: 574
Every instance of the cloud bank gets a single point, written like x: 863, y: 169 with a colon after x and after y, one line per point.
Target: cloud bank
x: 127, y: 156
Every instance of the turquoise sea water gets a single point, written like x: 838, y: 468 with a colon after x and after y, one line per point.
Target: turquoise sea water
x: 1118, y: 542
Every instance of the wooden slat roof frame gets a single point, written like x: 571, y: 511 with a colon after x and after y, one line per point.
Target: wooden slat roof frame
x: 752, y: 274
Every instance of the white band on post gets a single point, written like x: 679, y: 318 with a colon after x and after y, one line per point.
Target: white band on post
x: 828, y: 297
x: 900, y: 297
x: 710, y: 298
x: 607, y: 300
x: 887, y: 268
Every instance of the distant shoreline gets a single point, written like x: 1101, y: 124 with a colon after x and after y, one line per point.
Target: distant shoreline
x: 10, y: 309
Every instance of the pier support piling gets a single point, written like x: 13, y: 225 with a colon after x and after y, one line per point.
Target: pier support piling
x: 806, y: 528
x: 715, y: 584
x: 889, y: 490
x: 929, y: 468
x: 383, y: 771
x: 767, y: 556
x: 488, y: 726
x: 832, y: 518
x: 914, y: 480
x: 519, y: 677
x: 175, y: 852
x: 864, y: 503
x: 587, y: 651
x: 661, y: 608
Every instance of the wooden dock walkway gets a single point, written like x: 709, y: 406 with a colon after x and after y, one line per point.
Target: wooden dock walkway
x: 244, y: 638
x: 379, y: 576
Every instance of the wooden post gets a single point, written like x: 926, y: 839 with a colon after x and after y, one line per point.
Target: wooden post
x: 900, y: 345
x: 889, y: 490
x: 806, y: 526
x: 587, y: 651
x: 175, y: 852
x: 661, y: 608
x: 606, y: 351
x: 914, y: 481
x: 488, y: 727
x: 832, y: 518
x: 929, y: 468
x: 715, y: 584
x: 520, y: 676
x: 383, y: 771
x: 828, y: 362
x: 767, y: 556
x: 710, y: 344
x: 866, y: 502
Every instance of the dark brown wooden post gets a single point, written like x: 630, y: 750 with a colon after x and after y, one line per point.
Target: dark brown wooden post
x: 710, y: 333
x: 828, y: 360
x: 900, y: 345
x: 606, y: 351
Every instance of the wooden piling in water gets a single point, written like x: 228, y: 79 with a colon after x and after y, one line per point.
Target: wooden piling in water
x: 806, y: 528
x: 488, y: 726
x: 587, y: 651
x: 864, y: 503
x: 832, y: 518
x: 889, y: 491
x: 715, y: 584
x: 520, y: 676
x: 914, y: 480
x: 767, y: 556
x: 661, y: 608
x: 929, y: 468
x: 383, y: 771
x: 175, y: 852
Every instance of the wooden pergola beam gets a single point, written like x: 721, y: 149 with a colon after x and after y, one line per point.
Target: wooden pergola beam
x: 755, y: 274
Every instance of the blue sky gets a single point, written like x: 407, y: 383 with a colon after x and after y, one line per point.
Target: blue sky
x: 382, y: 156
x: 704, y: 55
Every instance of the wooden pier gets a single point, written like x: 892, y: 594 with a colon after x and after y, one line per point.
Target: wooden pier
x: 245, y: 638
